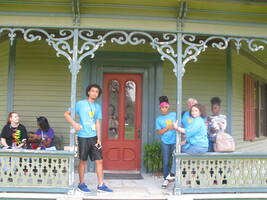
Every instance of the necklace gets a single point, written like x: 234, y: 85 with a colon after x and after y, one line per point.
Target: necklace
x: 91, y: 111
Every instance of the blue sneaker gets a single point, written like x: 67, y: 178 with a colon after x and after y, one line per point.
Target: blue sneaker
x: 104, y: 188
x: 83, y: 188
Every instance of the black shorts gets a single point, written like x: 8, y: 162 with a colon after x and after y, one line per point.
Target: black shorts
x: 87, y: 147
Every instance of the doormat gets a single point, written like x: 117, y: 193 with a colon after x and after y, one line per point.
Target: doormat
x: 129, y: 176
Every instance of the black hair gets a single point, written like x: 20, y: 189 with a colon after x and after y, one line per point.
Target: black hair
x: 201, y: 109
x: 215, y: 100
x: 94, y: 86
x: 43, y: 123
x: 163, y: 99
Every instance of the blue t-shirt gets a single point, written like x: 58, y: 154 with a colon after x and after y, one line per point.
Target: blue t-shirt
x: 89, y: 113
x: 196, y: 134
x: 187, y: 119
x: 162, y: 121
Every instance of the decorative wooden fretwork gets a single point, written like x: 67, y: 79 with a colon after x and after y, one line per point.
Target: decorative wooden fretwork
x: 34, y: 170
x: 219, y: 172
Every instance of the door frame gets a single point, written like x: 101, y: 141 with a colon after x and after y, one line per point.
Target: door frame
x: 147, y: 64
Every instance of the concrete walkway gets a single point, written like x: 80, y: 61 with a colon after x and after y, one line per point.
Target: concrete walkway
x: 148, y: 187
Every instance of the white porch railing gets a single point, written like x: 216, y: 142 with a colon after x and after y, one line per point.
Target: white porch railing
x: 222, y: 172
x: 36, y: 171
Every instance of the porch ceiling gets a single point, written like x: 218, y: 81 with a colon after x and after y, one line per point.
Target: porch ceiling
x: 261, y: 56
x: 221, y: 11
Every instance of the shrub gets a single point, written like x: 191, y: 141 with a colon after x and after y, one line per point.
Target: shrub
x: 153, y: 157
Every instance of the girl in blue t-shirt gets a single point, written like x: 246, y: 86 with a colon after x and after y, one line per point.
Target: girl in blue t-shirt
x: 196, y: 133
x: 164, y: 127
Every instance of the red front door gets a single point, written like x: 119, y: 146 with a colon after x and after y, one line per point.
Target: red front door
x: 122, y: 121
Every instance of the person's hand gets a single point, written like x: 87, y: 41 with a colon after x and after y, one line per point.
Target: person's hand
x: 183, y: 142
x: 7, y: 147
x: 181, y: 130
x: 98, y: 144
x: 77, y: 126
x: 175, y: 125
x: 98, y: 141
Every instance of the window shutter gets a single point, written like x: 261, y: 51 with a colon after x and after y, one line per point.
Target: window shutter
x: 249, y: 108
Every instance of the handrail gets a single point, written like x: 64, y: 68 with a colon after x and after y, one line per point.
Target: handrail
x: 36, y: 171
x: 222, y: 172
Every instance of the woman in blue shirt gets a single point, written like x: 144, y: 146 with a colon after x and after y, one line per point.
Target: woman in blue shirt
x: 196, y: 133
x: 164, y: 127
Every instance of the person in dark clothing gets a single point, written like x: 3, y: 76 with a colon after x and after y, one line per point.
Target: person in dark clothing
x: 13, y: 134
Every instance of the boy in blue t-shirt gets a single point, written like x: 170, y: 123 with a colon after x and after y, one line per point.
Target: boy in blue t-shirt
x: 89, y: 138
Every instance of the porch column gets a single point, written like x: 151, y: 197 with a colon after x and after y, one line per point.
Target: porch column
x: 11, y: 77
x: 74, y: 69
x: 229, y: 88
x: 179, y: 75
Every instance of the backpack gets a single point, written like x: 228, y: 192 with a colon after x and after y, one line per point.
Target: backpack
x: 224, y: 143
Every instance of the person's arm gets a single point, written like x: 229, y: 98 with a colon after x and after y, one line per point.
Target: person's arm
x: 3, y: 141
x: 223, y: 123
x: 160, y: 130
x: 50, y: 135
x: 75, y: 125
x: 163, y: 130
x: 46, y: 142
x: 98, y: 131
x: 4, y: 136
x: 179, y: 129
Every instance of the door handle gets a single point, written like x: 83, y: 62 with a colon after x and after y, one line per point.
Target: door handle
x: 139, y: 132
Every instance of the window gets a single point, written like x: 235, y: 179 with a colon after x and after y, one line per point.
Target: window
x: 255, y: 107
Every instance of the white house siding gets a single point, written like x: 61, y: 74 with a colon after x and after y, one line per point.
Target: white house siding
x: 4, y: 61
x: 202, y: 80
x: 42, y: 86
x: 241, y: 65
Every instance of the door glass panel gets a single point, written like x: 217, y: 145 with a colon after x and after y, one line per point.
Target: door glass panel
x: 130, y: 99
x: 113, y: 123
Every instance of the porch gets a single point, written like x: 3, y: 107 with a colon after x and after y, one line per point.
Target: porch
x: 25, y: 172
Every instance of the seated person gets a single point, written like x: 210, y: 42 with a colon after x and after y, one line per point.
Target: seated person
x: 33, y: 141
x: 45, y: 134
x: 196, y: 133
x: 13, y: 134
x: 216, y: 122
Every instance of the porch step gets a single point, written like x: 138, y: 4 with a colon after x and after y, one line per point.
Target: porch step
x: 115, y: 198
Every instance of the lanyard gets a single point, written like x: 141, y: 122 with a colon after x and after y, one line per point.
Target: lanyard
x: 42, y: 132
x: 91, y: 111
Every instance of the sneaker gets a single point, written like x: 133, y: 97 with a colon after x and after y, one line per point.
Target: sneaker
x: 170, y: 177
x: 165, y: 184
x: 83, y: 188
x: 104, y: 188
